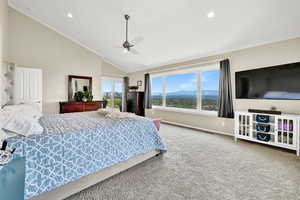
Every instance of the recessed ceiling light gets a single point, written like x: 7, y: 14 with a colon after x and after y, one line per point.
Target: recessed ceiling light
x: 70, y: 15
x: 211, y: 14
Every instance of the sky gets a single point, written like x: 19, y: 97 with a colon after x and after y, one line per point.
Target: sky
x: 210, y: 80
x: 107, y: 86
x: 187, y: 82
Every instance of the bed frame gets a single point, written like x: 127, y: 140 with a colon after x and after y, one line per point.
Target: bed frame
x: 92, y: 179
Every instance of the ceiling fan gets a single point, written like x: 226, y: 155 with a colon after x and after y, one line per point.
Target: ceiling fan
x: 128, y: 45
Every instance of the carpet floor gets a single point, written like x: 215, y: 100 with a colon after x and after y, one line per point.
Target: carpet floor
x: 204, y: 166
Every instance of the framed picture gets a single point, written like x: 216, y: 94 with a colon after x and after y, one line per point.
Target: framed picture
x: 139, y: 83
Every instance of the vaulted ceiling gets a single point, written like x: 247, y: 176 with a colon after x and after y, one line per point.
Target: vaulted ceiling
x: 172, y: 30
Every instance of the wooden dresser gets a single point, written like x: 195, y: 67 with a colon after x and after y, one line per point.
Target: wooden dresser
x: 76, y: 106
x: 135, y: 103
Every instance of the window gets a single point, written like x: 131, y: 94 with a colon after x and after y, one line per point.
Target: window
x: 107, y: 92
x: 112, y: 90
x: 194, y: 89
x: 157, y: 91
x: 118, y: 95
x: 182, y: 91
x: 210, y: 90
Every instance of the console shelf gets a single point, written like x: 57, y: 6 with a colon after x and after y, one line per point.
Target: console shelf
x: 279, y: 130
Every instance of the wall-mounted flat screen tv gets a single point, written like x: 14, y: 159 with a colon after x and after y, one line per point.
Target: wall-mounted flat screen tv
x: 277, y: 82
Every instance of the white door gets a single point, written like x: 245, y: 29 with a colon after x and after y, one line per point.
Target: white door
x: 28, y: 86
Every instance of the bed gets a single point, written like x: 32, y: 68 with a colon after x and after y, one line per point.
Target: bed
x: 78, y: 150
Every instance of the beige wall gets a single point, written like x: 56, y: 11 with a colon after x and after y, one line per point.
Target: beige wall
x: 262, y: 56
x: 109, y: 70
x: 34, y: 45
x: 3, y: 37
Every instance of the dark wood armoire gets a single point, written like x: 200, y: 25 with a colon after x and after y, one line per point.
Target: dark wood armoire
x: 135, y: 103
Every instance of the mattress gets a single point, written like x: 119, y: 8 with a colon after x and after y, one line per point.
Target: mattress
x: 75, y: 145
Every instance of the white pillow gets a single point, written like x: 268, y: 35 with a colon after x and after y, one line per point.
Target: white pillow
x: 29, y: 110
x: 120, y: 115
x: 5, y: 134
x: 103, y: 111
x: 106, y: 111
x: 12, y: 122
x: 36, y: 128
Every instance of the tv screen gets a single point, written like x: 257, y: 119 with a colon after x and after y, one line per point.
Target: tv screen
x: 278, y: 82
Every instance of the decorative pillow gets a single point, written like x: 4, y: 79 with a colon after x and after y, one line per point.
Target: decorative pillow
x: 30, y: 110
x: 156, y: 123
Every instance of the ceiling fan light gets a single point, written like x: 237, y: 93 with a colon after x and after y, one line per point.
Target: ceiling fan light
x: 70, y: 15
x: 211, y: 15
x: 125, y: 50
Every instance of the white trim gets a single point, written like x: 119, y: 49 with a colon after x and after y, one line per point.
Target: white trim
x: 199, y: 102
x: 108, y: 78
x: 189, y: 66
x: 164, y: 91
x: 191, y: 69
x: 198, y: 128
x: 198, y: 70
x: 188, y: 111
x: 10, y: 3
x: 113, y: 75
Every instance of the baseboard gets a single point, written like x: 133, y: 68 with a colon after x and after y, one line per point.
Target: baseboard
x: 197, y: 128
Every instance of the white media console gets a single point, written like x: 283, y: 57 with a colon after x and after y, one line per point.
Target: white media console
x: 276, y: 130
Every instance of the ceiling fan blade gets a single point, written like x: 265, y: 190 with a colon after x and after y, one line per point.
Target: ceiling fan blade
x: 133, y: 51
x: 137, y: 40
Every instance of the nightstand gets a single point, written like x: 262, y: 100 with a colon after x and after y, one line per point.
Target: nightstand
x: 12, y: 180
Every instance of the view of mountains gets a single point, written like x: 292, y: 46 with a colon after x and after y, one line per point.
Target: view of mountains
x: 207, y: 94
x: 109, y: 94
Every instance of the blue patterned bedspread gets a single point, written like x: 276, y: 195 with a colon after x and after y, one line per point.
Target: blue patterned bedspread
x: 75, y: 145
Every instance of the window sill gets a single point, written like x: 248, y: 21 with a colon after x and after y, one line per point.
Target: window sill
x: 188, y: 111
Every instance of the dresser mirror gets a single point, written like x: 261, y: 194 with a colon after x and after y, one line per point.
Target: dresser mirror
x: 78, y: 84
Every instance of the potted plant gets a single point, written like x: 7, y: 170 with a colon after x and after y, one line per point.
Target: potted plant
x: 88, y: 96
x: 79, y: 96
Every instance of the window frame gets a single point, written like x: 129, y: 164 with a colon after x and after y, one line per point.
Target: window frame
x: 113, y: 80
x: 198, y: 71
